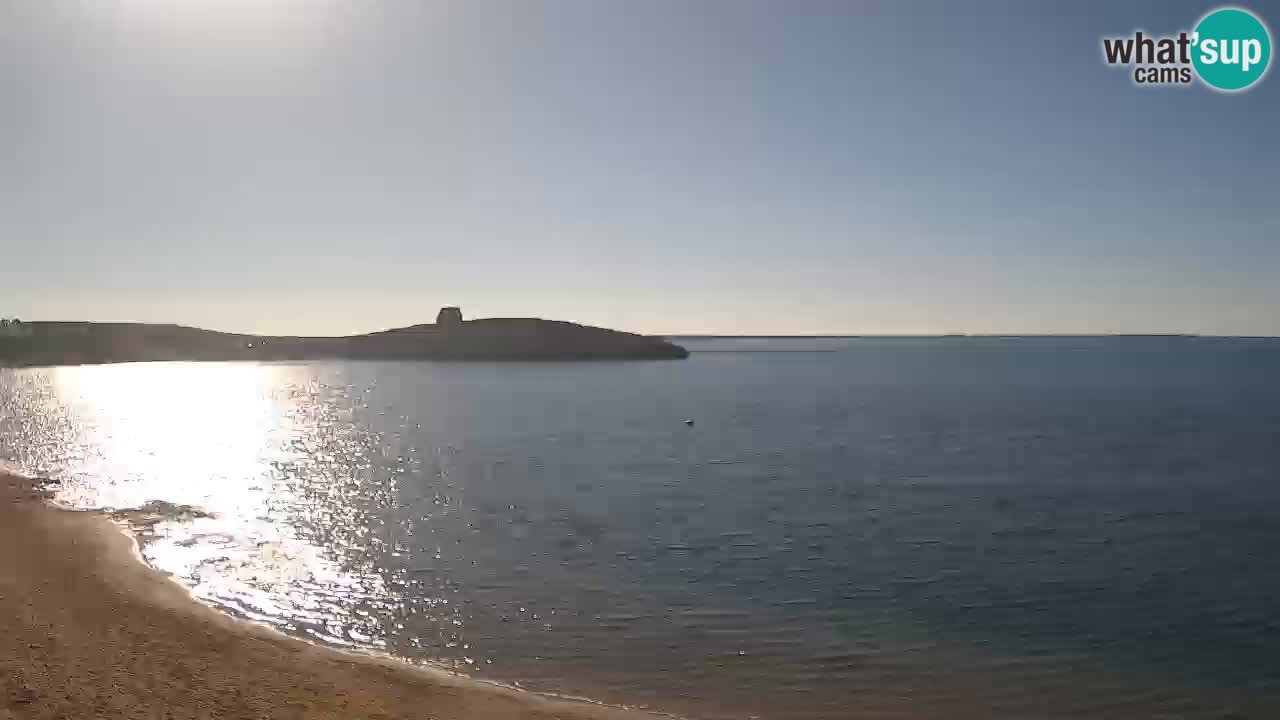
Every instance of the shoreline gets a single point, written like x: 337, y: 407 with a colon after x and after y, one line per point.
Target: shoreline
x: 91, y: 630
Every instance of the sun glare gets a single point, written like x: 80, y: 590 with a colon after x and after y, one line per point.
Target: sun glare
x: 225, y: 16
x: 205, y: 428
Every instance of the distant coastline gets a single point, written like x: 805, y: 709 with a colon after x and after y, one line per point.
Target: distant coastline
x: 984, y: 343
x: 450, y: 338
x: 973, y: 336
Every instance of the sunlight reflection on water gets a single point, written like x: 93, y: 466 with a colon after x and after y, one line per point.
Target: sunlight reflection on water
x: 260, y: 451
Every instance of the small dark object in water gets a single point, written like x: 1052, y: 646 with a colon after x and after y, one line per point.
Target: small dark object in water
x: 689, y: 423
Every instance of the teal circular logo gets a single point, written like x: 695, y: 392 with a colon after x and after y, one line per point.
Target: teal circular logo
x: 1231, y: 49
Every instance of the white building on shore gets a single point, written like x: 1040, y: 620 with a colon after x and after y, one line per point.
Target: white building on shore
x: 13, y: 327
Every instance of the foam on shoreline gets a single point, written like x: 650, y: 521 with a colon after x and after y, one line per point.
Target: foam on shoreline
x: 92, y: 624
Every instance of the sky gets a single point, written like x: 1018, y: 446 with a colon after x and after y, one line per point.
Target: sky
x: 660, y: 166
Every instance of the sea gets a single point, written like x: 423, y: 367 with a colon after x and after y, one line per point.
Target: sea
x: 784, y: 529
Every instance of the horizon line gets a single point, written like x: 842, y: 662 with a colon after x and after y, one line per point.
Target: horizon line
x: 992, y: 336
x: 729, y: 336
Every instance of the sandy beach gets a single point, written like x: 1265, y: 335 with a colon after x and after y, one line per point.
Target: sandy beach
x: 89, y: 631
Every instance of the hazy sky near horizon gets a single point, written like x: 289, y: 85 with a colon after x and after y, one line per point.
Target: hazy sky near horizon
x: 324, y: 167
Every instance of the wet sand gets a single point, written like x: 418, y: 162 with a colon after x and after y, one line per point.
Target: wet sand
x: 89, y: 631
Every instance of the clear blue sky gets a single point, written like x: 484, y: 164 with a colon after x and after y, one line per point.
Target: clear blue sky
x: 659, y: 166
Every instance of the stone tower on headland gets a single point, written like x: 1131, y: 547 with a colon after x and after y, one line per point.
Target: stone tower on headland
x: 448, y: 317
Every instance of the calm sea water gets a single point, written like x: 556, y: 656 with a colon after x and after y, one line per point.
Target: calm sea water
x: 881, y: 528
